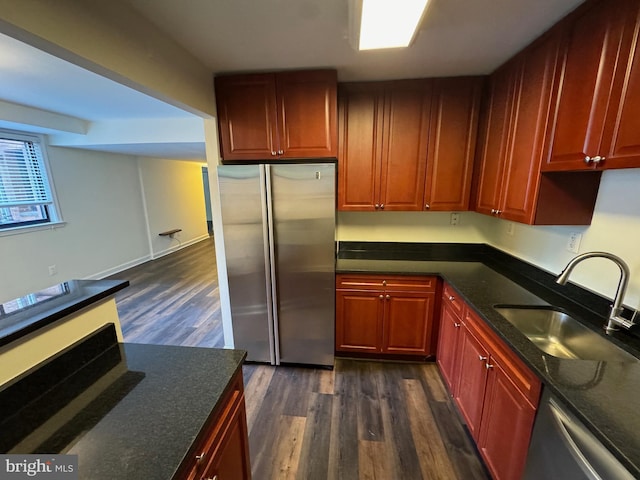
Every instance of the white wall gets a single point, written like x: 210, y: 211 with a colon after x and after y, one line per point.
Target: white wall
x: 100, y: 200
x: 174, y: 198
x: 103, y: 205
x: 615, y: 228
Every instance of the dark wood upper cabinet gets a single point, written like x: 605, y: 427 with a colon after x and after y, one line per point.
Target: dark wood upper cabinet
x: 594, y: 53
x: 407, y: 145
x: 384, y: 129
x: 510, y: 182
x: 285, y: 115
x: 453, y: 130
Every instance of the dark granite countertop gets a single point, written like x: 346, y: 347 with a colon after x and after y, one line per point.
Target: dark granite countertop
x: 27, y: 314
x: 602, y: 394
x: 131, y: 412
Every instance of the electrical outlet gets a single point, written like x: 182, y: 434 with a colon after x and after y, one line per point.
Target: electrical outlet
x: 510, y: 228
x: 53, y: 270
x: 455, y: 218
x: 573, y: 245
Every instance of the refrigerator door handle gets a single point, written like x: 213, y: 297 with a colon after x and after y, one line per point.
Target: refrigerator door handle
x: 266, y: 234
x: 271, y: 270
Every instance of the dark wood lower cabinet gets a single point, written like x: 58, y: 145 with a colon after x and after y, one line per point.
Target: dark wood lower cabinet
x: 494, y: 391
x: 222, y: 451
x: 390, y: 315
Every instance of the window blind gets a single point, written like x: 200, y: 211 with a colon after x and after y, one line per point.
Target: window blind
x: 23, y: 177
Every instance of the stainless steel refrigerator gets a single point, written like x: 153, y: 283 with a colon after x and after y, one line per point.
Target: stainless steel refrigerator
x: 279, y: 238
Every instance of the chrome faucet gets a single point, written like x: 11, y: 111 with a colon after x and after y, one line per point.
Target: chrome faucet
x: 615, y: 317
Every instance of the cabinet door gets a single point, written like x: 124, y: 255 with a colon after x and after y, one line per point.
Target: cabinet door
x: 404, y: 146
x: 359, y: 170
x: 307, y: 114
x: 359, y: 321
x: 447, y: 354
x: 495, y: 131
x: 231, y: 459
x: 472, y: 381
x: 247, y: 116
x: 452, y: 141
x: 407, y: 324
x: 507, y: 423
x: 621, y: 129
x: 528, y: 125
x: 589, y: 59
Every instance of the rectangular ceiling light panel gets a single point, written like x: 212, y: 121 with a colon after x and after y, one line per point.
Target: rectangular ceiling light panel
x: 389, y: 23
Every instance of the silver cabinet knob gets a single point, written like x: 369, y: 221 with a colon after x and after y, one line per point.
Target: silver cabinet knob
x: 488, y: 366
x: 427, y: 206
x: 388, y: 297
x: 498, y: 212
x: 381, y: 297
x: 482, y: 358
x: 273, y: 153
x: 200, y: 458
x: 377, y: 205
x: 493, y: 211
x: 457, y: 325
x: 382, y: 206
x: 280, y: 152
x: 597, y: 159
x: 384, y: 283
x: 452, y: 298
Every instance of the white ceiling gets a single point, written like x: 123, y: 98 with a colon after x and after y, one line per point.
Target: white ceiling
x: 457, y: 37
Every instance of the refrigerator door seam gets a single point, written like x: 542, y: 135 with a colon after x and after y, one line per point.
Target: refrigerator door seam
x: 266, y: 202
x: 273, y: 307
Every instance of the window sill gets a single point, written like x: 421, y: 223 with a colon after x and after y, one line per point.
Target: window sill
x: 31, y: 228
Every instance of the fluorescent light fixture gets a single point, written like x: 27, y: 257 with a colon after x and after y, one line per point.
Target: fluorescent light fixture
x: 387, y: 23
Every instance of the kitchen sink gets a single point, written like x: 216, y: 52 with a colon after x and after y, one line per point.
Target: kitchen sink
x: 560, y: 335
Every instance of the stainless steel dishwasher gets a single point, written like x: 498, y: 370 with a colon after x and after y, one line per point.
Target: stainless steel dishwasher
x: 562, y: 447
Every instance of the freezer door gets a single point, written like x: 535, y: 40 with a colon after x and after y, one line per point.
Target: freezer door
x: 303, y: 206
x: 243, y: 203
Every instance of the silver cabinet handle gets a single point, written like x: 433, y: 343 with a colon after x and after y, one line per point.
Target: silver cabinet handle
x: 498, y: 212
x: 597, y: 159
x: 384, y: 283
x: 493, y: 211
x: 457, y: 325
x: 280, y: 152
x: 381, y: 297
x: 273, y: 153
x: 481, y: 357
x: 382, y: 206
x: 427, y: 206
x: 377, y: 205
x: 452, y: 298
x: 488, y: 366
x: 200, y: 458
x: 388, y: 297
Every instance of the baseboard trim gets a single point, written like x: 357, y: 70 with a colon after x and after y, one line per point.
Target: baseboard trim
x: 119, y: 268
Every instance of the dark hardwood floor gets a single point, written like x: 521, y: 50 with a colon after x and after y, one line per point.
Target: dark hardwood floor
x: 363, y: 420
x: 173, y: 300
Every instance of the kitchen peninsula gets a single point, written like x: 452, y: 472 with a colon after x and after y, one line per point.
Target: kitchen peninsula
x: 126, y: 410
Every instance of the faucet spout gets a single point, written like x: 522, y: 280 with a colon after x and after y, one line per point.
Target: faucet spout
x: 615, y: 320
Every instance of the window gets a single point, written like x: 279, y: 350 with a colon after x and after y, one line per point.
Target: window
x: 26, y: 196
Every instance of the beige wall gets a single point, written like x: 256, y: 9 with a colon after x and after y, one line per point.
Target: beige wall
x: 411, y: 227
x: 112, y: 39
x: 23, y: 354
x: 174, y: 198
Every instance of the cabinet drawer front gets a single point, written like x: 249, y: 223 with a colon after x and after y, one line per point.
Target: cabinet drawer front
x: 451, y: 298
x: 522, y: 377
x: 404, y: 283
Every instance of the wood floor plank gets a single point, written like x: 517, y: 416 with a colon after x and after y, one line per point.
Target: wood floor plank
x: 326, y: 383
x: 289, y: 445
x: 255, y: 391
x: 372, y: 461
x: 368, y: 405
x: 432, y: 453
x: 314, y: 457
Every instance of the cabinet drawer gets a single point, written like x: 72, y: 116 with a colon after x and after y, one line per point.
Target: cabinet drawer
x: 450, y: 297
x: 405, y: 283
x: 520, y: 375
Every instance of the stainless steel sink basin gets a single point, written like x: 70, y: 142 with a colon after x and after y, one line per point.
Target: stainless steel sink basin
x: 558, y: 334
